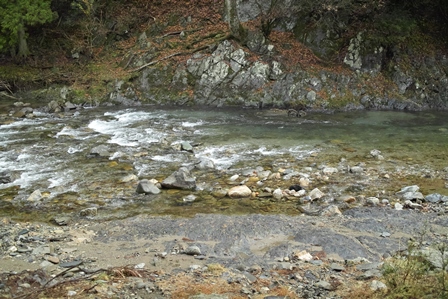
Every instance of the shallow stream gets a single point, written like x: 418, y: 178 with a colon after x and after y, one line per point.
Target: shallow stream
x: 52, y: 153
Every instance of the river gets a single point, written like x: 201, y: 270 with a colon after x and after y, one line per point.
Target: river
x: 52, y: 153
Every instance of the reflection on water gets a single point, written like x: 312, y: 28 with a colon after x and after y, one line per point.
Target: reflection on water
x: 52, y: 153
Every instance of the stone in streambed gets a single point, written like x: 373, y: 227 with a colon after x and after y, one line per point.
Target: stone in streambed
x: 181, y: 179
x: 239, y: 192
x: 147, y: 187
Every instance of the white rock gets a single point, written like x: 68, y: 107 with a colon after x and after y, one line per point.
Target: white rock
x: 376, y: 285
x: 304, y: 182
x: 234, y: 177
x: 331, y: 210
x: 316, y: 194
x: 139, y: 266
x: 329, y: 170
x: 413, y: 188
x: 374, y: 201
x: 277, y: 194
x: 398, y: 206
x: 239, y: 192
x: 35, y: 196
x: 303, y: 256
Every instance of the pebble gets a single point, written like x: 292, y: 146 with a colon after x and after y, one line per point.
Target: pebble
x: 192, y: 250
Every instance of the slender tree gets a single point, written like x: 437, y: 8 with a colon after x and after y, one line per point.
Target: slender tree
x: 15, y: 16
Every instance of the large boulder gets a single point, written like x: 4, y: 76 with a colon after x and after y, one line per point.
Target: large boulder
x: 180, y: 179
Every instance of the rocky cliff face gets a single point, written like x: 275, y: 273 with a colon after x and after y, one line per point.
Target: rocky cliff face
x: 370, y: 75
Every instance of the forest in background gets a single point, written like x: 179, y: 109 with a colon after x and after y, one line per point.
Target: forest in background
x: 82, y: 43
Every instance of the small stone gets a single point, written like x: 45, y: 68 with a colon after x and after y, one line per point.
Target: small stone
x: 329, y: 170
x: 190, y: 198
x: 139, y: 266
x: 89, y: 212
x: 376, y: 285
x: 239, y: 192
x: 315, y: 194
x: 337, y: 267
x: 434, y: 198
x: 192, y: 250
x: 385, y: 234
x: 303, y: 255
x: 71, y: 293
x: 373, y: 201
x: 277, y: 194
x: 35, y: 196
x: 324, y: 285
x: 129, y: 178
x: 398, y: 206
x: 413, y: 188
x: 186, y: 146
x: 147, y: 187
x: 356, y: 169
x: 52, y: 259
x: 331, y: 210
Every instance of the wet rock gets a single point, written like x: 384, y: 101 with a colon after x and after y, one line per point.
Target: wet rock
x: 315, y: 194
x: 147, y: 187
x: 100, y: 151
x: 24, y: 112
x: 190, y: 198
x: 54, y: 107
x: 205, y: 163
x: 89, y: 212
x: 35, y: 196
x: 186, y: 146
x: 239, y: 192
x: 181, y: 179
x: 5, y: 177
x: 129, y: 178
x: 376, y: 154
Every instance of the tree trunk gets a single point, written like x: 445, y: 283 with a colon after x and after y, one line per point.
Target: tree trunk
x: 23, y: 45
x: 237, y: 30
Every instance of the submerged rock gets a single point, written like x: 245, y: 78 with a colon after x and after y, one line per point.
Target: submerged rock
x: 181, y: 179
x: 147, y: 187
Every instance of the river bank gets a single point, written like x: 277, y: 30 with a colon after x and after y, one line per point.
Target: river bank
x: 241, y: 256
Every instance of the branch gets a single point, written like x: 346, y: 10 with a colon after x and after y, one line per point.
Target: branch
x: 229, y: 36
x: 156, y: 61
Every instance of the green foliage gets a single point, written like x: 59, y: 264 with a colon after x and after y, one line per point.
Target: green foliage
x: 413, y: 276
x: 394, y: 28
x: 16, y: 15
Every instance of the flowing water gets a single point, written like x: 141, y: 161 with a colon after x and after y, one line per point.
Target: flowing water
x: 52, y: 153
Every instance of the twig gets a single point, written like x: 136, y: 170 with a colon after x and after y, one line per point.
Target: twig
x: 8, y: 96
x: 156, y: 61
x: 179, y: 32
